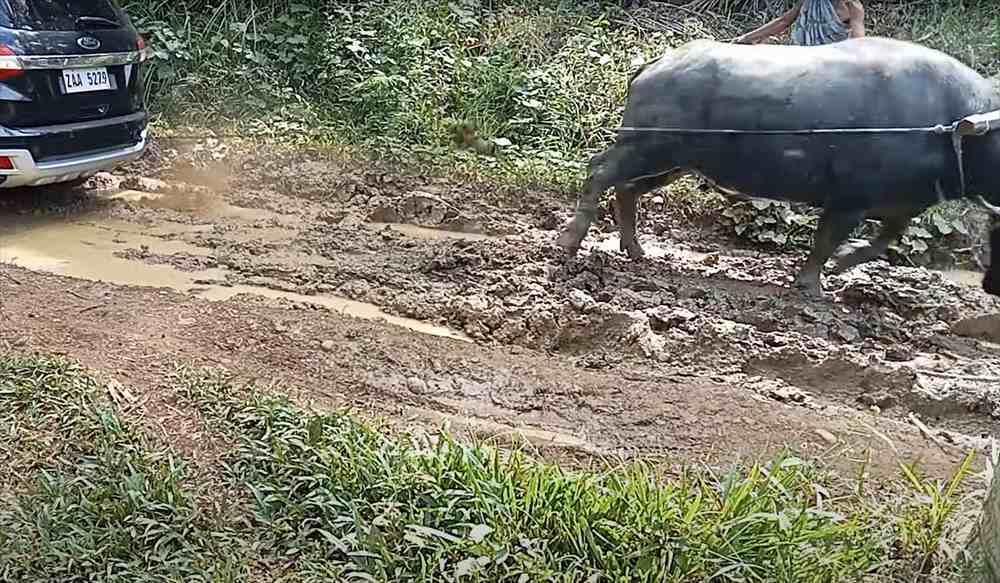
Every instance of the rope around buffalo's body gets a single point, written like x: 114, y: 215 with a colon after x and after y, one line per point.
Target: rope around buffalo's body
x: 939, y: 129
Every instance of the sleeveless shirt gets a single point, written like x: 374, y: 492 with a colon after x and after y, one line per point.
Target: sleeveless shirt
x: 818, y: 24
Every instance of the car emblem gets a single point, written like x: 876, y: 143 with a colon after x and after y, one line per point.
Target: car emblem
x: 88, y: 42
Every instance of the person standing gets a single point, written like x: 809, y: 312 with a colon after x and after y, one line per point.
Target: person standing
x: 814, y: 22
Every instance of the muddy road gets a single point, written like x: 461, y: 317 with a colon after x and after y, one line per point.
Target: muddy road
x: 426, y: 300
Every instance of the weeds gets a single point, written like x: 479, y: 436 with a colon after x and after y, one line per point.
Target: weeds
x: 346, y: 499
x: 322, y: 496
x: 96, y: 501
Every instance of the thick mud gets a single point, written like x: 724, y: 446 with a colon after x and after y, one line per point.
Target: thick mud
x: 477, y: 264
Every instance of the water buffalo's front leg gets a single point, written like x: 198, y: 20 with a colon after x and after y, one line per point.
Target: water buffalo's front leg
x: 892, y: 229
x: 834, y: 228
x: 586, y: 213
x: 626, y: 214
x: 627, y: 208
x: 615, y: 166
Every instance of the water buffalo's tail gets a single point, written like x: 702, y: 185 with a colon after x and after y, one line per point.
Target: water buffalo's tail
x: 597, y: 161
x: 642, y: 68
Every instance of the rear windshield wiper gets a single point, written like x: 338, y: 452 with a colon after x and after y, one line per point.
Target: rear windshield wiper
x: 96, y: 21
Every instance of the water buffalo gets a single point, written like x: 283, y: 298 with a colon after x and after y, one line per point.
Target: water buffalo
x: 857, y: 83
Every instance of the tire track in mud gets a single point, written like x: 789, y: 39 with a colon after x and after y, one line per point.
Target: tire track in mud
x: 457, y: 261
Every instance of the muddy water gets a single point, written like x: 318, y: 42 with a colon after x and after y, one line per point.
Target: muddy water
x: 86, y: 250
x: 653, y: 246
x: 963, y: 277
x: 196, y: 203
x: 337, y: 304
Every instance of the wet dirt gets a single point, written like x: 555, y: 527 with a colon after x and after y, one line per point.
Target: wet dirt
x: 674, y: 348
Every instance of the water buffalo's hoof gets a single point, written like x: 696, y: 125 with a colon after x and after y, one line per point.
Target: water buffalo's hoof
x: 841, y: 266
x: 569, y: 243
x: 810, y: 289
x: 991, y: 285
x: 634, y: 251
x: 852, y: 255
x: 851, y: 261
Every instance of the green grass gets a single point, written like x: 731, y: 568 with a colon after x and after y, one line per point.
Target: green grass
x: 87, y: 494
x: 549, y: 76
x: 319, y: 497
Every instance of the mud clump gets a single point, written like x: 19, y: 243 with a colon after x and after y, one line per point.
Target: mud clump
x: 981, y: 327
x: 694, y: 305
x: 181, y: 261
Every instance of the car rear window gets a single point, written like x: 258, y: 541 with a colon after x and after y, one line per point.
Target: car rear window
x: 58, y: 14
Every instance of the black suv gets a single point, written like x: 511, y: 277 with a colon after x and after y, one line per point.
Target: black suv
x: 71, y: 90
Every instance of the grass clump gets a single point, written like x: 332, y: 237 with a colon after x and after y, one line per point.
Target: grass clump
x: 319, y: 497
x: 86, y: 497
x: 350, y: 501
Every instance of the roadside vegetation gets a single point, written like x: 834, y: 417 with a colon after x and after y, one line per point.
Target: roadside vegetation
x: 540, y: 83
x: 92, y: 491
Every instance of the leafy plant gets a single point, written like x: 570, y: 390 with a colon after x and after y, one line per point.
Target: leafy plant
x: 923, y: 522
x: 946, y: 234
x: 772, y: 222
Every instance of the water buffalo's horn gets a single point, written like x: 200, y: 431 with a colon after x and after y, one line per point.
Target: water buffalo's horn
x: 986, y: 205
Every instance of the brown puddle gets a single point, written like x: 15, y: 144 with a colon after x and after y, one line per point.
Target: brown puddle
x: 333, y: 303
x: 87, y: 251
x: 197, y: 202
x: 963, y: 277
x: 652, y: 247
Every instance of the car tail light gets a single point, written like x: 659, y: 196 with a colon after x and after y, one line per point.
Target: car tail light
x: 6, y: 163
x: 10, y: 65
x: 145, y: 51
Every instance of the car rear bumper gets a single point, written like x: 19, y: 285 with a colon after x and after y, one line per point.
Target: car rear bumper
x: 17, y: 145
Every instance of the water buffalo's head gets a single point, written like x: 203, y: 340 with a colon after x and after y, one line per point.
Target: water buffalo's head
x: 991, y: 279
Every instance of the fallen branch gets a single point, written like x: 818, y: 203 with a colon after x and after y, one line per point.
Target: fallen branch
x: 926, y: 431
x: 119, y: 393
x: 12, y: 278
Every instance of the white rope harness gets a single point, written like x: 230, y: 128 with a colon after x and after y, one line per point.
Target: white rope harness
x: 973, y: 125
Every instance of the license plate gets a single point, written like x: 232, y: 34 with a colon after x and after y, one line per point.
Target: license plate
x: 86, y: 80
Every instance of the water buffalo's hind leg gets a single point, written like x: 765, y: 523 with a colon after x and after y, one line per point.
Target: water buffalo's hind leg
x: 627, y: 198
x: 615, y: 166
x: 834, y: 228
x: 991, y: 279
x: 892, y: 229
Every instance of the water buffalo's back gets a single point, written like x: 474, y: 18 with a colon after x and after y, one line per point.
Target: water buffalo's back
x: 868, y: 82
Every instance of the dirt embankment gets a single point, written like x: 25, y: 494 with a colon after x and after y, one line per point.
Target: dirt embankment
x: 277, y: 268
